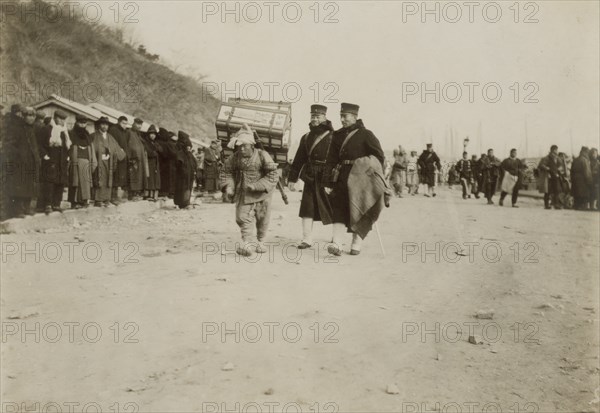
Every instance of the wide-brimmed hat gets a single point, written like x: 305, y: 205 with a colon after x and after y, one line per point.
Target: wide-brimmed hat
x: 59, y: 113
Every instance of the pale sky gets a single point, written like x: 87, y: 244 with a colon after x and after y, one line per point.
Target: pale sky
x: 377, y: 49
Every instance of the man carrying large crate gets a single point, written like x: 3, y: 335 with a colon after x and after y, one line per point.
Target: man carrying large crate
x: 310, y: 166
x: 250, y: 176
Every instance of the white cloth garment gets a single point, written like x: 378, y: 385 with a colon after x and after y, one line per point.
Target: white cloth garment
x: 55, y: 139
x: 508, y: 182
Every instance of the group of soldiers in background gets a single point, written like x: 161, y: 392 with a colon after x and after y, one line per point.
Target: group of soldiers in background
x: 40, y: 158
x: 563, y: 187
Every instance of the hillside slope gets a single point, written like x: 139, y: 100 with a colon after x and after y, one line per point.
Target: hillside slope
x: 89, y: 63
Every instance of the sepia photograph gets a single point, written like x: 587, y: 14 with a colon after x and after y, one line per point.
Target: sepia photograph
x: 347, y: 206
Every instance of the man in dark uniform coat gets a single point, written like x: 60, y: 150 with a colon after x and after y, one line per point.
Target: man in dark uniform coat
x: 350, y: 142
x: 464, y: 168
x: 119, y: 132
x: 430, y: 164
x: 309, y: 165
x: 475, y: 165
x: 491, y: 172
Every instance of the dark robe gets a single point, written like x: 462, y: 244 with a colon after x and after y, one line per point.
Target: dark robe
x: 185, y: 174
x: 581, y: 179
x: 429, y: 163
x: 153, y: 149
x: 167, y: 166
x: 362, y: 143
x: 21, y: 162
x: 310, y: 166
x: 120, y: 135
x: 105, y: 172
x: 212, y: 161
x: 137, y: 160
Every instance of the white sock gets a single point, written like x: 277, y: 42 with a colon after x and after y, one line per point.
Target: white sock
x: 338, y: 234
x: 356, y: 242
x: 307, y: 226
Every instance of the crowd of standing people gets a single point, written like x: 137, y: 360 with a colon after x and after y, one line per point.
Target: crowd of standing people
x: 562, y: 186
x: 115, y: 163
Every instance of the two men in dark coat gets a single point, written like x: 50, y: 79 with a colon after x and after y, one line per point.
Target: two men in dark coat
x: 349, y: 143
x: 430, y: 165
x: 310, y: 164
x: 54, y: 144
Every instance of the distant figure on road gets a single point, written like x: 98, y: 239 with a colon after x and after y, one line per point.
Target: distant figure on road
x: 548, y: 179
x: 581, y: 177
x: 412, y: 173
x: 512, y: 170
x: 464, y: 168
x: 398, y: 176
x: 491, y: 172
x: 430, y: 166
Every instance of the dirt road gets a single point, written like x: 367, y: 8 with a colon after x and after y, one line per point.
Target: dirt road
x: 152, y: 312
